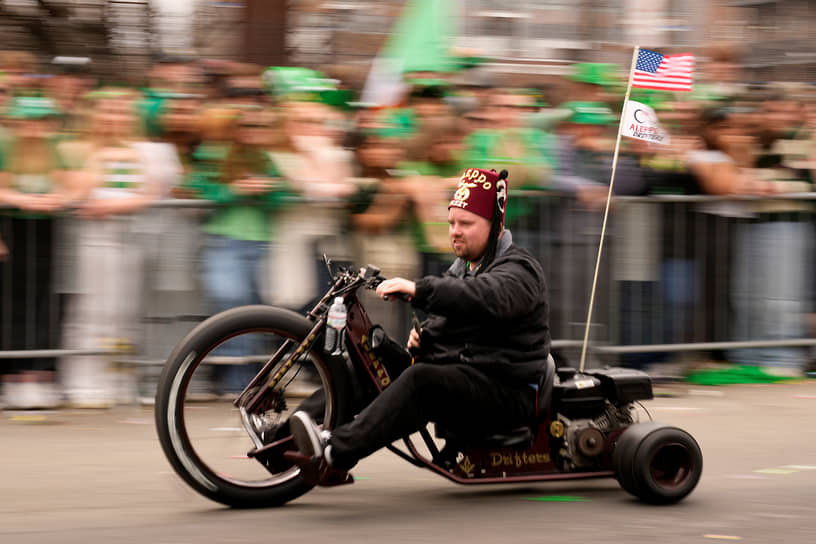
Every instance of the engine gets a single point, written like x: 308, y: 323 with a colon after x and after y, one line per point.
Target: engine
x: 584, y: 440
x: 588, y: 407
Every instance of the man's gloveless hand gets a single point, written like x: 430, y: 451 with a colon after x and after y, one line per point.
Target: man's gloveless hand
x: 396, y: 286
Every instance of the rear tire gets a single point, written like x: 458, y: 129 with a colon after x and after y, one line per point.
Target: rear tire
x: 624, y: 453
x: 657, y: 463
x: 178, y: 430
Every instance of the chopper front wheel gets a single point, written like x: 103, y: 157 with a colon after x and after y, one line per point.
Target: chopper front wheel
x: 205, y: 437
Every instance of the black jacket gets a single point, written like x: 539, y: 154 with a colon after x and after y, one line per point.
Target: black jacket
x: 495, y: 321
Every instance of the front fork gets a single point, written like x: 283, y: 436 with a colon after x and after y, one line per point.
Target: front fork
x: 254, y: 403
x: 248, y: 402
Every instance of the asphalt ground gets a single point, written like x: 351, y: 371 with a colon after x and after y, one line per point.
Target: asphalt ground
x: 100, y: 476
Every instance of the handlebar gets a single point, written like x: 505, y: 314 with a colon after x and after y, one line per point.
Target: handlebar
x: 350, y: 279
x: 368, y: 277
x: 376, y: 278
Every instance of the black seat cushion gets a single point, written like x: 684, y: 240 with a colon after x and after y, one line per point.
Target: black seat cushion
x: 519, y: 436
x: 545, y: 388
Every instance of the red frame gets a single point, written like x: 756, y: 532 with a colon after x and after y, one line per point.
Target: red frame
x: 478, y: 464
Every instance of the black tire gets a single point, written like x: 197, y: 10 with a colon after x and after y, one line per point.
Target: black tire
x: 624, y: 453
x: 183, y: 448
x: 657, y: 463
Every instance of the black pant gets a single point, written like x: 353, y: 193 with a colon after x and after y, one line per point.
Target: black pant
x: 29, y: 309
x: 458, y: 397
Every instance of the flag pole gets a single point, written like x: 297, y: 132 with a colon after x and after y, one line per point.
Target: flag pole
x: 606, y: 209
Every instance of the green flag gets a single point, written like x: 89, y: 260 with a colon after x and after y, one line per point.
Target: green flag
x: 419, y: 42
x: 422, y: 37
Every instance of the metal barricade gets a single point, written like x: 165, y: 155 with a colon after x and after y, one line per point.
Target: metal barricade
x: 678, y: 274
x: 691, y: 274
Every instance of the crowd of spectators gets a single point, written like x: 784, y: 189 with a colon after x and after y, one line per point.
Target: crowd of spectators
x: 296, y: 168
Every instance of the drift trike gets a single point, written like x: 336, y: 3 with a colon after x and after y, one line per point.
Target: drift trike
x: 235, y: 451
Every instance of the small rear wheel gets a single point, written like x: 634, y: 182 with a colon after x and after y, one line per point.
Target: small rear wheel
x: 206, y: 437
x: 657, y: 463
x: 624, y: 453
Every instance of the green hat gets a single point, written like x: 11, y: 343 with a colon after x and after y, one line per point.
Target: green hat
x: 32, y: 107
x: 304, y: 84
x: 589, y: 113
x: 595, y: 73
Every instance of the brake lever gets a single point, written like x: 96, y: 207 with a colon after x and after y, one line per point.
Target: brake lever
x: 328, y: 264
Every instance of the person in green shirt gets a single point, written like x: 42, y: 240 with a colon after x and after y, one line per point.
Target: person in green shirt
x: 233, y: 168
x: 506, y: 139
x: 429, y: 179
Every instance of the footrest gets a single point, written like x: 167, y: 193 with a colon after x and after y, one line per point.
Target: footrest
x: 316, y: 471
x: 273, y: 456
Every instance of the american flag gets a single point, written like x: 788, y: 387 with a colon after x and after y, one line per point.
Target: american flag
x: 663, y: 72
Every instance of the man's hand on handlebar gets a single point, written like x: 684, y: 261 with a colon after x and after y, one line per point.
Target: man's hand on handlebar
x: 396, y: 288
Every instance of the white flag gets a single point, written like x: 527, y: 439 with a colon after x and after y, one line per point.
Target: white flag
x: 641, y: 123
x: 384, y: 85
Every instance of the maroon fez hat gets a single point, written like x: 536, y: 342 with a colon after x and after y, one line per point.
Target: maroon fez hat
x: 479, y: 190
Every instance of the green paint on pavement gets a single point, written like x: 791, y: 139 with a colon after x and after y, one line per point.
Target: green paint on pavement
x: 557, y: 498
x: 731, y: 374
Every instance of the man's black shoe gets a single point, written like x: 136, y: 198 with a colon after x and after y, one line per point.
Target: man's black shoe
x: 311, y: 443
x: 309, y: 439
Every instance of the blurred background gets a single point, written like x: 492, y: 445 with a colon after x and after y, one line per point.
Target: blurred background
x: 125, y: 37
x: 163, y: 160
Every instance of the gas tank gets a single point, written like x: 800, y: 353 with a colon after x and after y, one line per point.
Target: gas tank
x: 577, y: 395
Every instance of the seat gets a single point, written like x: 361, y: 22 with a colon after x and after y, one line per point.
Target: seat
x: 545, y: 388
x: 522, y: 435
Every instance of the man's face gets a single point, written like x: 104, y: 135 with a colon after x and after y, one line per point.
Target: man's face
x: 468, y: 233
